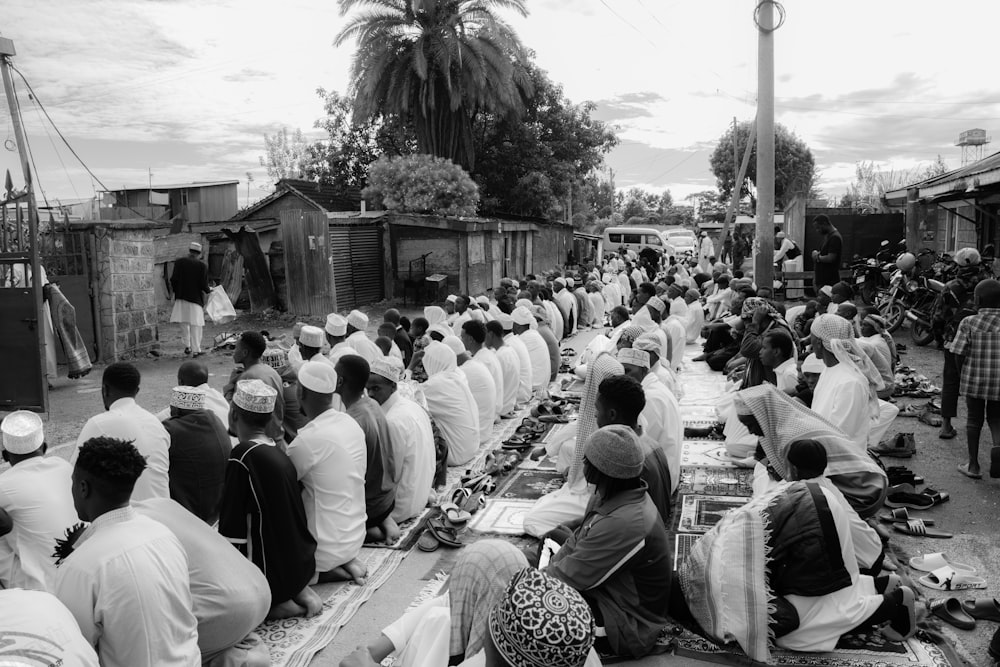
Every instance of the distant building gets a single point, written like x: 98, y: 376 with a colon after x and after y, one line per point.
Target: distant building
x: 187, y: 202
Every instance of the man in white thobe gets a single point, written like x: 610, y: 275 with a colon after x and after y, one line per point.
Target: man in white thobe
x: 538, y: 351
x: 474, y: 338
x: 568, y: 306
x: 484, y: 392
x: 126, y: 581
x: 661, y: 417
x: 523, y: 317
x: 126, y: 420
x: 510, y: 364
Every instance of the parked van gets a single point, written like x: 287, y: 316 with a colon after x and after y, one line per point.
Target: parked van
x: 635, y: 239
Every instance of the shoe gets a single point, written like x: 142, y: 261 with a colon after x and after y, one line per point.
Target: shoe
x: 937, y: 496
x: 913, y: 501
x: 986, y: 609
x: 900, y: 446
x: 947, y: 434
x: 951, y: 611
x: 187, y: 351
x: 198, y: 354
x: 892, y: 631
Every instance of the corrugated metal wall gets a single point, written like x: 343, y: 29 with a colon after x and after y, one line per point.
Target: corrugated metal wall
x: 357, y: 264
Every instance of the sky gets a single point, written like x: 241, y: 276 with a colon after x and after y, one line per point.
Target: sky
x: 185, y: 90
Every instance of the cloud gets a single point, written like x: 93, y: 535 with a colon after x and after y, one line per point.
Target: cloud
x: 628, y: 105
x: 248, y: 74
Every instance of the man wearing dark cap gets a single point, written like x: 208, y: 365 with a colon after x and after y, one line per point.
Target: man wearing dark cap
x: 189, y: 282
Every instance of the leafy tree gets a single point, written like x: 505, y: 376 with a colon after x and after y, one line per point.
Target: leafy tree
x: 437, y: 64
x: 285, y: 154
x: 422, y: 184
x: 793, y: 164
x: 871, y: 182
x: 709, y: 206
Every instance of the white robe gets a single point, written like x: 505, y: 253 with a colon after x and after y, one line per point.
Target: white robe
x: 451, y: 404
x: 569, y: 310
x: 842, y: 397
x: 538, y: 354
x: 484, y: 392
x: 526, y: 377
x: 555, y: 318
x: 413, y: 453
x: 510, y: 366
x: 597, y: 309
x: 694, y: 322
x: 674, y: 328
x: 488, y: 358
x: 364, y: 346
x: 664, y: 424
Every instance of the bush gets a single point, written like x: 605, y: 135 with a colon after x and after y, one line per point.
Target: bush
x: 422, y: 184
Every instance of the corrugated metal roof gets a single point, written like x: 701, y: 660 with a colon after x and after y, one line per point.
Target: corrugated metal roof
x: 174, y: 186
x: 987, y: 164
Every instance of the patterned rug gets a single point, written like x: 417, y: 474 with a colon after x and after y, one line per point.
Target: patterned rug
x: 502, y: 517
x: 528, y: 484
x: 294, y: 641
x: 409, y: 532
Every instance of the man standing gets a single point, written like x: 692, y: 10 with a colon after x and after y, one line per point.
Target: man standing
x: 706, y: 251
x: 36, y: 506
x: 189, y: 281
x: 126, y: 579
x: 126, y: 420
x: 827, y: 258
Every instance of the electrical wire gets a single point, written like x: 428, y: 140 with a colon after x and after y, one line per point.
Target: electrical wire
x: 662, y: 174
x: 781, y: 16
x: 41, y: 121
x: 629, y: 24
x: 655, y: 17
x: 27, y: 147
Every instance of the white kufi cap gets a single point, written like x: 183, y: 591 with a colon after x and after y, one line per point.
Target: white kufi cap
x: 22, y: 432
x: 336, y: 325
x: 390, y: 368
x: 633, y: 357
x: 311, y: 336
x: 318, y: 376
x: 358, y: 320
x: 522, y: 315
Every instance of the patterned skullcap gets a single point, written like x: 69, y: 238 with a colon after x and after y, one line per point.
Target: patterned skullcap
x: 187, y: 398
x: 629, y: 334
x: 542, y: 622
x: 633, y: 357
x: 657, y: 302
x: 22, y: 432
x: 336, y: 325
x: 311, y: 336
x: 390, y: 368
x: 255, y: 396
x: 275, y: 357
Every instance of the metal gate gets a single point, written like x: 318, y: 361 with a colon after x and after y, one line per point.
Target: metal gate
x: 357, y: 264
x: 66, y: 257
x: 23, y: 382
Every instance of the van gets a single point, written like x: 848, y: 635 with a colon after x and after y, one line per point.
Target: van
x: 635, y: 239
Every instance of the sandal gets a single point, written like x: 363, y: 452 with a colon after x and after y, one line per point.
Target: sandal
x: 935, y: 561
x: 950, y: 579
x: 910, y: 602
x: 455, y: 514
x: 964, y: 469
x: 951, y: 611
x: 937, y: 497
x: 918, y: 528
x: 443, y: 533
x: 516, y: 443
x: 985, y: 609
x: 901, y: 515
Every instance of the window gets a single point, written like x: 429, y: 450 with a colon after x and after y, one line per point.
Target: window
x: 652, y: 239
x: 615, y: 238
x: 632, y: 238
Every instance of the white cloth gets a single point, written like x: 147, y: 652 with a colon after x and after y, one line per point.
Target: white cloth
x: 188, y: 313
x: 782, y: 250
x: 295, y: 359
x: 787, y: 376
x: 191, y: 336
x: 229, y: 594
x: 674, y: 328
x: 331, y: 459
x: 510, y: 365
x: 127, y: 585
x: 538, y: 356
x: 456, y: 326
x: 565, y: 504
x: 126, y: 420
x: 569, y: 310
x: 451, y: 404
x: 342, y: 348
x: 413, y: 453
x: 842, y: 396
x: 488, y: 358
x: 35, y: 623
x: 719, y: 303
x: 625, y: 287
x: 37, y: 494
x: 679, y: 307
x: 484, y: 392
x: 823, y: 619
x: 364, y: 346
x: 612, y: 294
x: 694, y: 322
x: 555, y: 318
x: 525, y: 379
x: 597, y: 308
x: 664, y: 424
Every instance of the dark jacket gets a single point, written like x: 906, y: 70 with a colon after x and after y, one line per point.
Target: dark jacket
x: 189, y: 280
x: 199, y: 449
x: 405, y: 345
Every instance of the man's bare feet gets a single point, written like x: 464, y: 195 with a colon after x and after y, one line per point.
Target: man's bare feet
x: 374, y: 534
x: 391, y: 530
x: 353, y: 570
x: 287, y: 609
x: 309, y: 599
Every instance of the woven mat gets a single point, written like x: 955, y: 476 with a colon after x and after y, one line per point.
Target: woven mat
x: 294, y: 641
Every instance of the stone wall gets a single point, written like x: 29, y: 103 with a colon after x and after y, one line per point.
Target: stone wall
x: 126, y: 294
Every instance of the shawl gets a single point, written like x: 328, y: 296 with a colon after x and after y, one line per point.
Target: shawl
x: 476, y: 585
x: 434, y: 315
x: 601, y: 368
x: 837, y: 335
x: 64, y: 323
x: 449, y: 399
x: 784, y: 421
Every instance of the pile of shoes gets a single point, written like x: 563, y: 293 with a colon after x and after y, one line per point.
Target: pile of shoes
x: 911, y: 383
x: 943, y: 575
x: 929, y: 413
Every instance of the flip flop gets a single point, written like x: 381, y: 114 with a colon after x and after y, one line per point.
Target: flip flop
x: 455, y: 514
x: 443, y: 533
x: 901, y: 515
x: 951, y: 611
x: 918, y: 528
x: 937, y: 560
x: 937, y: 496
x: 428, y: 542
x: 949, y: 579
x: 964, y: 469
x: 986, y: 609
x: 910, y: 602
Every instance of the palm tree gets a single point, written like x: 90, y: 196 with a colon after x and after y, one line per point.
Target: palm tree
x: 437, y: 63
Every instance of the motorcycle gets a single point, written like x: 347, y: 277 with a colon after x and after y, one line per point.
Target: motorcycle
x: 871, y: 276
x: 893, y: 302
x: 926, y: 302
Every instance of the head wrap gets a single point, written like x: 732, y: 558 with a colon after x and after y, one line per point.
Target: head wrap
x: 187, y: 398
x: 644, y: 320
x: 523, y: 303
x: 442, y: 329
x: 629, y: 335
x: 311, y: 336
x: 23, y: 432
x: 255, y: 396
x: 390, y: 368
x: 358, y: 320
x: 455, y: 344
x: 275, y: 357
x: 477, y: 583
x: 434, y: 315
x: 601, y: 368
x: 336, y: 325
x: 542, y: 622
x: 505, y: 320
x: 439, y: 358
x: 837, y: 336
x: 522, y: 315
x: 650, y: 342
x: 634, y: 357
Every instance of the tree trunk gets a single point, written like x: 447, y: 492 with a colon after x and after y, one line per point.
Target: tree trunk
x: 258, y: 277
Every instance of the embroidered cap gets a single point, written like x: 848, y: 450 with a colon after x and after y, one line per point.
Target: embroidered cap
x: 336, y: 325
x: 311, y: 336
x: 389, y: 368
x: 358, y: 320
x: 23, y: 432
x: 187, y: 398
x: 255, y: 396
x: 634, y: 357
x: 275, y: 357
x: 657, y: 302
x: 541, y: 622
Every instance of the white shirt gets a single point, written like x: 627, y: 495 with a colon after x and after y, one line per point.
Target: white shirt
x: 842, y: 397
x: 510, y: 365
x: 567, y: 307
x: 782, y: 250
x: 538, y: 356
x: 413, y: 448
x: 597, y: 308
x: 674, y: 328
x: 295, y: 359
x: 694, y: 322
x: 127, y: 421
x: 331, y: 459
x: 525, y: 378
x: 459, y: 321
x: 488, y: 358
x: 127, y: 585
x: 36, y: 623
x: 363, y: 345
x: 555, y: 318
x: 485, y: 393
x: 453, y: 407
x: 37, y: 494
x: 787, y: 376
x: 664, y: 424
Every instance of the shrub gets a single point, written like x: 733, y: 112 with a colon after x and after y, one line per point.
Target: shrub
x: 422, y: 184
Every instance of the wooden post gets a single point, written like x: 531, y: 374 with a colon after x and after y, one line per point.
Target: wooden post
x: 764, y: 262
x: 734, y: 201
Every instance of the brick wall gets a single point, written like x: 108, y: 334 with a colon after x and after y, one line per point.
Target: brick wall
x: 126, y: 295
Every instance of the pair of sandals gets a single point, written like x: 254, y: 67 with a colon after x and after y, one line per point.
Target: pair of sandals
x: 906, y: 496
x: 529, y: 432
x: 903, y: 523
x: 963, y: 614
x: 943, y: 575
x: 902, y: 475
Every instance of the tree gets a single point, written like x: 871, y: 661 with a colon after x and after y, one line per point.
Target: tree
x: 285, y: 154
x: 437, y: 64
x: 871, y: 182
x: 708, y: 206
x: 793, y: 165
x: 422, y: 184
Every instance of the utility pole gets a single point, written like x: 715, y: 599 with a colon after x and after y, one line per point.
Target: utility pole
x: 6, y: 51
x: 764, y: 262
x: 611, y: 179
x: 736, y: 150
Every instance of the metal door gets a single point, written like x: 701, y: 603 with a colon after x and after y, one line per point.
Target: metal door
x: 66, y: 258
x: 356, y: 252
x: 23, y: 382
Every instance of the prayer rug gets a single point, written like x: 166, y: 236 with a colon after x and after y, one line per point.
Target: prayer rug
x: 854, y: 650
x: 502, y: 517
x: 293, y: 642
x: 715, y: 480
x: 699, y: 514
x: 529, y: 485
x: 705, y: 453
x: 409, y: 532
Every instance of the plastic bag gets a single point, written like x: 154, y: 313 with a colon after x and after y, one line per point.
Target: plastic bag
x: 218, y: 307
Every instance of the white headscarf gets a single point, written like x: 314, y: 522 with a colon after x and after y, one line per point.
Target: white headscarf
x: 434, y: 315
x: 837, y: 336
x: 450, y: 402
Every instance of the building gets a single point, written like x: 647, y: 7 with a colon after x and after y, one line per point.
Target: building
x: 186, y: 202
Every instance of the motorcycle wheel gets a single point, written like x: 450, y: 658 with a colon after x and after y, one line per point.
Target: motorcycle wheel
x: 921, y: 334
x: 894, y: 314
x: 868, y: 292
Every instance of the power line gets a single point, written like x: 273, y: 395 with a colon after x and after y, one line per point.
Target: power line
x: 655, y: 17
x: 661, y: 175
x: 41, y: 121
x: 27, y: 147
x: 629, y: 24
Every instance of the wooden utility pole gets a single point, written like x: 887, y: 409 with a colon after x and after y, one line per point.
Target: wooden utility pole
x: 734, y: 202
x: 764, y: 262
x: 6, y: 51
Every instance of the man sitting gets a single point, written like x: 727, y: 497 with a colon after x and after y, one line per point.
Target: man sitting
x: 538, y: 351
x: 357, y: 338
x: 777, y: 352
x: 194, y: 373
x: 311, y: 341
x: 618, y: 557
x: 250, y: 347
x: 474, y: 339
x: 199, y: 449
x: 480, y: 384
x: 31, y: 622
x: 126, y: 578
x: 510, y: 364
x: 330, y: 457
x: 400, y: 336
x: 36, y: 506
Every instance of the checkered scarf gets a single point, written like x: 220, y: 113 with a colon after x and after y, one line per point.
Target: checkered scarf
x: 601, y: 368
